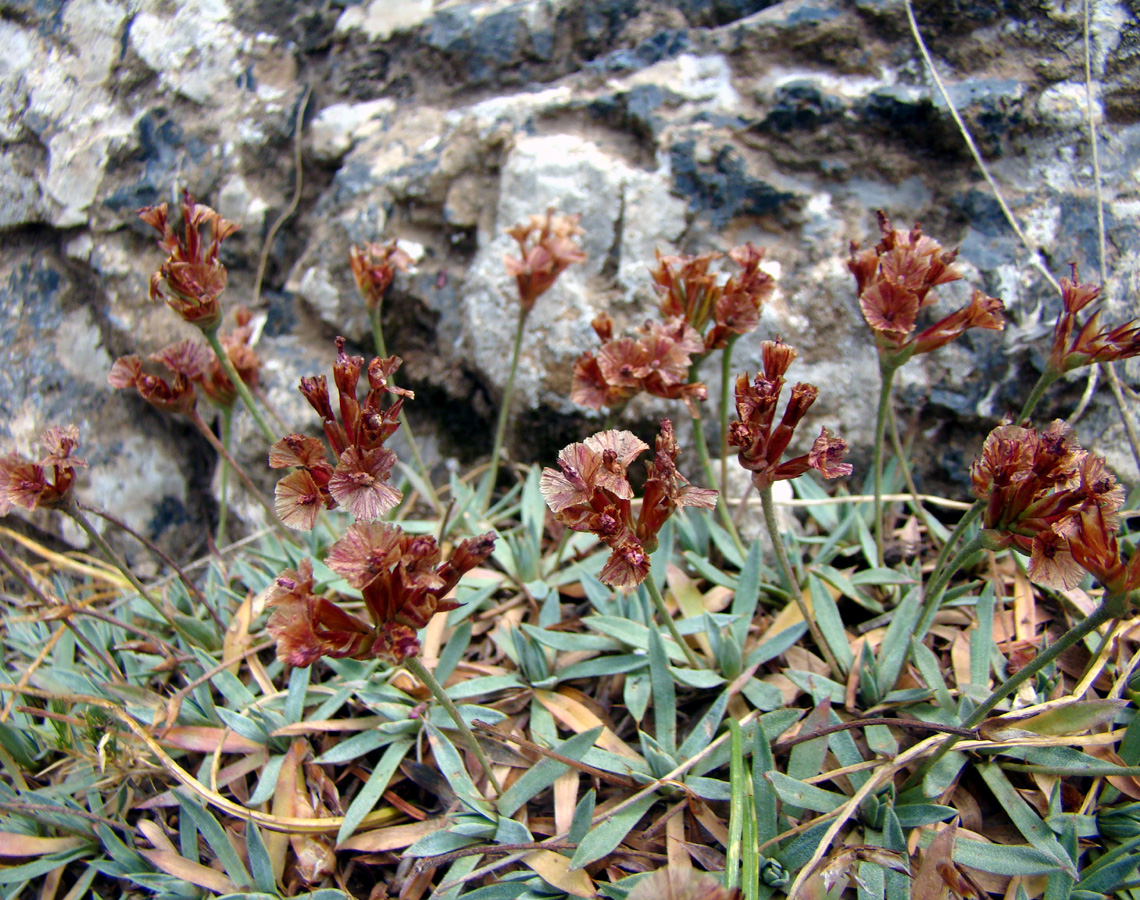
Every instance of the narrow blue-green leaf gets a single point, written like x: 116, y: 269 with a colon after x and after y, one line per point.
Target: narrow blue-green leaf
x: 843, y: 584
x: 896, y: 883
x: 1004, y: 859
x: 736, y: 807
x: 982, y: 640
x: 699, y: 679
x: 583, y: 813
x: 806, y: 796
x: 43, y: 865
x: 545, y: 772
x: 747, y: 594
x: 1023, y: 815
x: 776, y: 645
x: 830, y: 623
x: 632, y: 634
x: 365, y: 801
x: 943, y: 774
x: 295, y: 696
x: 931, y: 673
x: 451, y: 765
x: 604, y: 838
x: 845, y: 750
x: 704, y: 731
x: 826, y: 514
x: 440, y: 842
x: 571, y: 642
x: 912, y: 815
x: 763, y: 793
x: 452, y: 652
x: 895, y: 646
x: 260, y: 866
x: 617, y: 664
x: 664, y: 694
x: 481, y: 686
x: 218, y: 840
x: 355, y: 746
x: 879, y: 576
x: 708, y: 571
x: 455, y: 873
x: 818, y: 686
x: 726, y: 545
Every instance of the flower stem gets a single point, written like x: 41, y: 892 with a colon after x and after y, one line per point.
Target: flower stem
x: 904, y: 467
x: 415, y: 665
x: 212, y: 438
x: 72, y: 510
x: 227, y: 414
x: 382, y: 351
x: 1103, y: 613
x: 492, y: 475
x: 659, y: 602
x: 887, y: 369
x: 239, y: 385
x: 785, y: 565
x: 937, y: 587
x: 710, y: 477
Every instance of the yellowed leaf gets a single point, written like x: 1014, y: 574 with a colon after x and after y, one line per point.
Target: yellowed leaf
x: 153, y: 832
x: 195, y: 873
x: 565, y: 799
x: 578, y: 718
x: 363, y: 723
x: 236, y: 640
x: 394, y: 838
x: 205, y: 739
x: 555, y: 869
x: 689, y: 600
x: 14, y: 844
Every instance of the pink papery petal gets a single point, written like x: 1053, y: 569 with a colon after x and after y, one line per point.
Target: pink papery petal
x: 627, y: 566
x: 298, y: 450
x: 298, y: 500
x: 366, y: 550
x: 360, y: 483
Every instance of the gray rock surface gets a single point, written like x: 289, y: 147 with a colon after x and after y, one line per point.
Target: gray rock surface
x: 682, y: 127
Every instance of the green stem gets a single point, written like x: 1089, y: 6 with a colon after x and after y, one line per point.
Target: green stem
x: 904, y: 467
x: 710, y: 477
x: 887, y: 369
x: 224, y: 453
x: 382, y: 351
x: 1046, y: 381
x: 239, y: 385
x: 414, y: 665
x: 1103, y: 613
x: 662, y: 610
x: 492, y: 475
x: 937, y: 587
x: 227, y: 414
x: 793, y: 583
x: 73, y: 511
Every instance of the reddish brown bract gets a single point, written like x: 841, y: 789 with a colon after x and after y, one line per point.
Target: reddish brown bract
x: 187, y: 363
x: 1049, y: 499
x: 590, y: 491
x: 1076, y: 344
x: 762, y: 443
x: 192, y: 274
x: 44, y: 484
x: 894, y: 280
x: 374, y: 267
x: 358, y: 479
x: 547, y: 247
x: 401, y: 579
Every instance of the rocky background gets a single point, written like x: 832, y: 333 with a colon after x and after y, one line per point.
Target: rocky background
x: 684, y: 127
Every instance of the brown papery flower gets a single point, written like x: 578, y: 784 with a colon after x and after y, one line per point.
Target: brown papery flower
x: 358, y: 479
x: 192, y: 278
x: 590, y: 491
x: 374, y: 267
x: 548, y: 249
x: 45, y: 484
x: 1054, y: 502
x: 186, y: 362
x: 655, y: 361
x: 763, y: 441
x: 402, y: 579
x: 894, y: 281
x: 1076, y: 344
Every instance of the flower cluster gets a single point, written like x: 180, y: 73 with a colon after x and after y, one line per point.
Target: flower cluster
x: 402, y: 580
x: 192, y: 275
x: 894, y: 280
x: 590, y: 491
x: 547, y: 247
x: 656, y: 361
x: 190, y: 364
x: 359, y: 477
x: 187, y: 363
x: 1076, y: 345
x: 687, y: 288
x: 761, y: 445
x: 374, y: 267
x: 44, y: 484
x: 1049, y: 499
